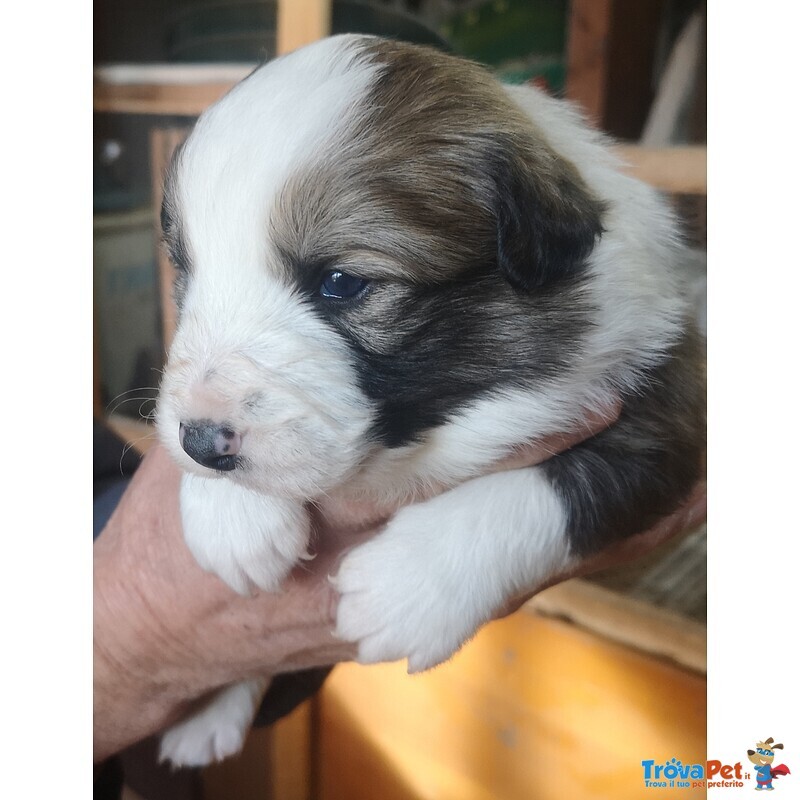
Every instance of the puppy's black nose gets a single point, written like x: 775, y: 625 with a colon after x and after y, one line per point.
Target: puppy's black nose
x: 214, y: 446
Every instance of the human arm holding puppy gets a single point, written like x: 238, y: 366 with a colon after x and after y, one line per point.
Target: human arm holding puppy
x: 168, y: 633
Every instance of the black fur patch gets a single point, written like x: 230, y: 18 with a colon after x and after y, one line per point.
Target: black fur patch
x: 172, y: 236
x: 487, y: 230
x: 445, y: 345
x: 623, y: 480
x: 546, y: 228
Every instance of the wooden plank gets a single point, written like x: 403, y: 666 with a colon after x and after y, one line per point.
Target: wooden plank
x: 275, y: 763
x: 632, y: 44
x: 245, y: 776
x: 140, y: 435
x: 169, y: 89
x: 587, y: 55
x: 290, y: 756
x: 532, y: 708
x: 682, y: 170
x: 169, y: 100
x: 627, y: 621
x: 167, y: 74
x: 301, y: 22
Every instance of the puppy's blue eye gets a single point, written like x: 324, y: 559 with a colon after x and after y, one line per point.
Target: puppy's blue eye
x: 341, y: 285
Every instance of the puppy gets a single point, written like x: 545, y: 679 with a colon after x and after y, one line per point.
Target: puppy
x: 392, y: 270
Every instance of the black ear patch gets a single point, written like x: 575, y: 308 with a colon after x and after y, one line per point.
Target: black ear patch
x: 547, y: 222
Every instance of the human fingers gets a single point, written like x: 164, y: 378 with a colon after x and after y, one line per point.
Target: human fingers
x: 344, y: 521
x: 537, y: 451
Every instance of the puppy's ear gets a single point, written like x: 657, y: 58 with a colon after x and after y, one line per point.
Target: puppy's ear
x: 547, y: 221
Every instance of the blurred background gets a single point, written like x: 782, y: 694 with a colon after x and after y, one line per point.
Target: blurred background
x: 569, y: 695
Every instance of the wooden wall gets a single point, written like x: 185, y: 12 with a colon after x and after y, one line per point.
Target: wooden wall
x: 533, y: 708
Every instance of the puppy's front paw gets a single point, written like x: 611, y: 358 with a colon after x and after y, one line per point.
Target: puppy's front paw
x: 249, y: 540
x: 215, y: 732
x: 400, y: 599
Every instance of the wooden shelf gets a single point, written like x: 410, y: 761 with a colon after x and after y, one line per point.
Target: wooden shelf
x: 187, y: 90
x: 682, y: 170
x: 622, y: 619
x: 164, y: 89
x: 533, y: 707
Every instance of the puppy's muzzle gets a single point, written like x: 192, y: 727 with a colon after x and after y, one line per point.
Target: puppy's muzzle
x: 211, y: 445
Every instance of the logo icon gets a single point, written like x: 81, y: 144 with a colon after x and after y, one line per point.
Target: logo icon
x: 762, y: 757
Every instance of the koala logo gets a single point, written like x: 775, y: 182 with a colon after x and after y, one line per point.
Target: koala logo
x: 762, y: 757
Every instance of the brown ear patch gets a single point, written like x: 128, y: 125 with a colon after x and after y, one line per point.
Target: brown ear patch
x: 547, y: 222
x: 439, y: 175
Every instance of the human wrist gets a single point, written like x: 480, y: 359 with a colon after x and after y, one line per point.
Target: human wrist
x: 166, y: 632
x: 130, y: 700
x: 143, y: 673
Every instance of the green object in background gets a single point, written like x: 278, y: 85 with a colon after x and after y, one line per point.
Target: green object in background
x: 521, y: 39
x: 552, y: 72
x: 244, y: 30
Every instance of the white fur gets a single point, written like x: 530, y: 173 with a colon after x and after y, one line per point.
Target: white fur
x: 248, y: 352
x: 216, y: 731
x: 442, y: 568
x: 271, y: 532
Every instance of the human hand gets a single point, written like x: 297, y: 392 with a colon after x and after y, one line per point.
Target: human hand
x: 168, y: 633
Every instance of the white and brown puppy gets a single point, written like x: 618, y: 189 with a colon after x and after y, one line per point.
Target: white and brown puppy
x: 391, y: 271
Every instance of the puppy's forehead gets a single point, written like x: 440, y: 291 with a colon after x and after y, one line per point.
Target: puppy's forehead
x: 243, y: 150
x: 409, y: 193
x: 355, y: 150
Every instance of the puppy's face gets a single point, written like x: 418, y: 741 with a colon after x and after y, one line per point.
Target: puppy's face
x: 368, y: 236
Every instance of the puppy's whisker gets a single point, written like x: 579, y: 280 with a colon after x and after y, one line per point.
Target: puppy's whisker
x: 130, y: 445
x: 121, y: 403
x: 121, y: 397
x: 148, y: 415
x: 131, y: 391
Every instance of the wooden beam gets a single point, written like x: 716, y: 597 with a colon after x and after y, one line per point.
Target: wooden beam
x: 681, y: 170
x: 630, y: 622
x: 140, y: 435
x: 245, y: 776
x: 301, y: 22
x: 168, y: 89
x: 531, y: 708
x: 587, y: 55
x: 275, y: 763
x: 169, y: 100
x: 290, y: 755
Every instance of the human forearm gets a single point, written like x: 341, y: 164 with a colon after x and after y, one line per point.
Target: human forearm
x: 166, y: 632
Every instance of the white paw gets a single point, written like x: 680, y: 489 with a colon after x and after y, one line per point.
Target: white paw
x: 402, y: 597
x: 194, y: 744
x: 215, y: 732
x: 248, y: 539
x: 443, y: 568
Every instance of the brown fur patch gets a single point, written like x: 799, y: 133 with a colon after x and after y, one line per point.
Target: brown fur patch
x: 412, y: 192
